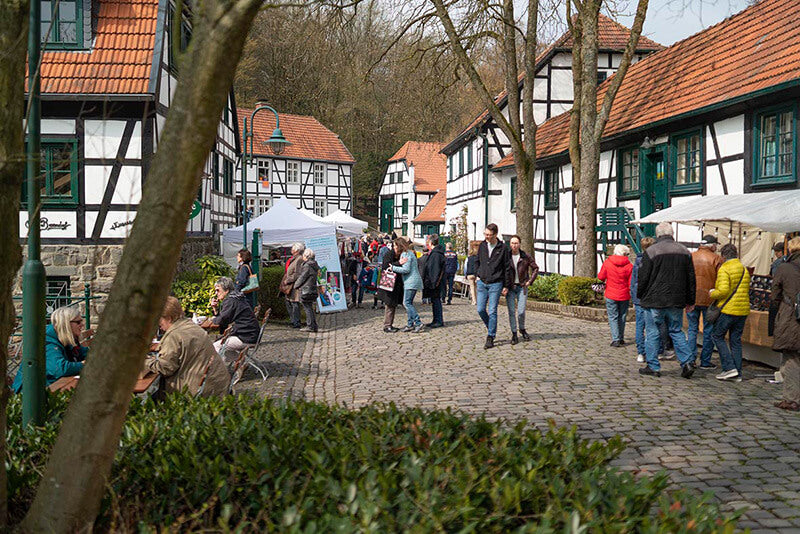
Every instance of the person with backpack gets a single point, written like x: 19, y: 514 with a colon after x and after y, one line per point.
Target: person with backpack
x: 450, y: 270
x: 786, y: 291
x: 732, y: 295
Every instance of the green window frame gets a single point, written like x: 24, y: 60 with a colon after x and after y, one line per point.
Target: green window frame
x: 551, y: 189
x: 628, y: 183
x: 59, y: 169
x: 513, y: 193
x: 185, y: 37
x: 775, y: 146
x: 469, y: 157
x: 450, y: 168
x: 405, y: 206
x: 461, y: 161
x: 688, y: 162
x: 404, y: 229
x: 215, y: 171
x: 62, y: 24
x: 227, y: 176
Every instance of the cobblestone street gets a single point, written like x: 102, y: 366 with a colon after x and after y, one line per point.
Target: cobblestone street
x: 709, y: 435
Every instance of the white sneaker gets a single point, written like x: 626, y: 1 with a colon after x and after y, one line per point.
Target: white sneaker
x: 727, y: 375
x: 668, y: 355
x: 640, y: 358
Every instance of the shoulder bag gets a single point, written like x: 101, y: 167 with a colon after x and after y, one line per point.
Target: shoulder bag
x: 388, y: 279
x: 713, y: 312
x: 252, y: 282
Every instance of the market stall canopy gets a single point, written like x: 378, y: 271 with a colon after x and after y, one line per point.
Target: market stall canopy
x: 311, y: 214
x: 346, y: 224
x: 773, y: 211
x: 282, y: 224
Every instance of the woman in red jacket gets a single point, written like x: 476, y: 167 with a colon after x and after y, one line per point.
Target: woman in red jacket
x: 616, y: 272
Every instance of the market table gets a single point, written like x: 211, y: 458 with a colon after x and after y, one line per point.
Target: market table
x: 68, y: 383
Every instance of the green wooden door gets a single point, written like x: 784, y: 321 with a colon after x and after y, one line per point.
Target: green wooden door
x: 655, y: 195
x: 387, y: 214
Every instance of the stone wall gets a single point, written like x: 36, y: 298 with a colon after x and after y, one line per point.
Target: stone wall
x: 194, y: 247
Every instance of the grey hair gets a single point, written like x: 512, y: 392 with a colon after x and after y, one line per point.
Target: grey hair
x: 225, y: 283
x: 621, y: 250
x: 309, y: 254
x: 664, y: 228
x: 298, y: 247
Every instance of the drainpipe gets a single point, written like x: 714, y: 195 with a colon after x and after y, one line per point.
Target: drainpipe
x: 485, y: 169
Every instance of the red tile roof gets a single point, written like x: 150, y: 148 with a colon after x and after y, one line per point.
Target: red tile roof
x: 611, y: 36
x: 430, y: 166
x: 753, y: 50
x: 310, y: 139
x: 434, y: 209
x: 120, y: 59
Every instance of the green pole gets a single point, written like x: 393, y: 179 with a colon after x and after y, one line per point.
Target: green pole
x: 256, y: 265
x: 87, y: 298
x: 33, y: 274
x: 244, y: 181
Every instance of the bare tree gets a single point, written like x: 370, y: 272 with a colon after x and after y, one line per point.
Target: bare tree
x: 588, y: 119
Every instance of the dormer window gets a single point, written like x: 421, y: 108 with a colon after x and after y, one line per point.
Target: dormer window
x: 62, y: 24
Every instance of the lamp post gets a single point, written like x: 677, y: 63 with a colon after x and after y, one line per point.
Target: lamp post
x: 277, y: 143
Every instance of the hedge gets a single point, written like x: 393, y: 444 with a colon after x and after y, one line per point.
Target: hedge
x: 545, y: 287
x: 194, y: 288
x: 269, y: 295
x: 576, y: 291
x: 254, y: 465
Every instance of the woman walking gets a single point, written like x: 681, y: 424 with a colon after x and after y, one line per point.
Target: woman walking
x: 471, y: 271
x: 732, y: 293
x: 616, y: 271
x: 307, y: 284
x: 785, y: 289
x: 244, y: 257
x: 394, y: 297
x: 524, y: 273
x: 412, y: 282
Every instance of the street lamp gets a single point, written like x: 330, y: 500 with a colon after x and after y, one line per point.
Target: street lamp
x: 277, y: 144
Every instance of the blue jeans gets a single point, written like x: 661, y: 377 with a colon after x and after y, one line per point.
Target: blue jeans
x: 731, y: 358
x: 640, y: 334
x: 436, y: 308
x: 516, y: 299
x: 411, y: 311
x: 489, y: 298
x: 617, y: 313
x: 673, y: 319
x: 693, y: 318
x: 451, y: 280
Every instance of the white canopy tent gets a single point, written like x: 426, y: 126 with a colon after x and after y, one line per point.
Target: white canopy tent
x: 311, y: 215
x: 753, y: 221
x: 345, y: 224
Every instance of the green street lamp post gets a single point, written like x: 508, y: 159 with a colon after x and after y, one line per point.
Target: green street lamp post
x: 33, y: 273
x: 277, y: 144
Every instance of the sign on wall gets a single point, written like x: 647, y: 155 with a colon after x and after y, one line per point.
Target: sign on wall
x: 330, y: 285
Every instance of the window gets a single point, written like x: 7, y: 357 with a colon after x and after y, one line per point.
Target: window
x: 628, y: 173
x: 263, y: 172
x: 405, y: 206
x: 58, y: 293
x: 184, y: 37
x: 264, y: 204
x: 450, y: 168
x: 226, y: 113
x: 469, y: 157
x: 319, y: 174
x: 461, y: 162
x: 319, y: 208
x: 688, y: 164
x: 601, y: 76
x: 404, y: 229
x: 215, y: 171
x: 62, y: 23
x: 550, y: 190
x: 251, y: 208
x: 292, y: 172
x: 774, y: 147
x: 513, y: 193
x: 227, y: 176
x: 58, y: 178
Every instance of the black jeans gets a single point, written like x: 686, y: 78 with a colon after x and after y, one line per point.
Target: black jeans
x: 451, y: 279
x: 311, y: 319
x: 293, y: 308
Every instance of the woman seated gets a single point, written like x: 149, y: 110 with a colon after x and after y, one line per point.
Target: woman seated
x: 63, y: 352
x: 233, y: 309
x: 186, y: 357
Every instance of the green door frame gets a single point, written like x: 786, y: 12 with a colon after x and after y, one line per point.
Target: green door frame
x: 387, y: 214
x: 655, y: 193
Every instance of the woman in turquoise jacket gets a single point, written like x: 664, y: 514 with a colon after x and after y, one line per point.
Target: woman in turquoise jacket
x: 412, y: 282
x: 63, y: 353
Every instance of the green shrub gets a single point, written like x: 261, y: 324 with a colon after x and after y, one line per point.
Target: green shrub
x: 194, y: 288
x: 576, y: 291
x: 254, y: 465
x: 269, y: 294
x: 545, y: 287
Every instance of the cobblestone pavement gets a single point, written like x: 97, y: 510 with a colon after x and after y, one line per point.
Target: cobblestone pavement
x: 709, y: 435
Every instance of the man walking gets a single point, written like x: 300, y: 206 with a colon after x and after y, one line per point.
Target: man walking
x: 493, y: 279
x: 292, y: 295
x: 433, y: 278
x: 666, y: 286
x: 706, y: 263
x: 450, y: 270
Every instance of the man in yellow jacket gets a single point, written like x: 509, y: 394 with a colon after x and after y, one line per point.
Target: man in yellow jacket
x: 732, y: 292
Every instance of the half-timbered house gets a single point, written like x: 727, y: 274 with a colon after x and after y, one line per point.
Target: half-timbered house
x: 413, y: 190
x: 108, y: 76
x: 473, y: 153
x: 714, y: 114
x: 314, y: 172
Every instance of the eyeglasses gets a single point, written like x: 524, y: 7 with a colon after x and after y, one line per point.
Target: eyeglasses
x: 77, y: 321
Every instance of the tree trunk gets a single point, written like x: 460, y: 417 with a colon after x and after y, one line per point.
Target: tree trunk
x: 71, y: 489
x: 13, y: 40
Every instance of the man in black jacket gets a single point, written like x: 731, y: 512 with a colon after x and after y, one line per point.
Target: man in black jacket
x: 666, y: 286
x: 493, y: 279
x: 433, y: 278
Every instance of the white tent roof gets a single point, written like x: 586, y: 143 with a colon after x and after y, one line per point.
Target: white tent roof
x: 345, y: 223
x: 773, y: 211
x: 282, y: 224
x: 311, y: 214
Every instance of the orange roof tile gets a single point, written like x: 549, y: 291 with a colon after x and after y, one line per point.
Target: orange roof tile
x: 434, y: 209
x: 310, y: 139
x: 430, y: 166
x: 753, y: 50
x: 120, y: 59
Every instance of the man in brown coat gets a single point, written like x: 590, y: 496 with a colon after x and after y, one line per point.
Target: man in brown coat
x: 186, y: 357
x: 785, y: 291
x: 287, y: 284
x: 706, y: 264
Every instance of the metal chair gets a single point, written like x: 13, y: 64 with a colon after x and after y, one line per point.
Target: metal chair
x: 245, y: 356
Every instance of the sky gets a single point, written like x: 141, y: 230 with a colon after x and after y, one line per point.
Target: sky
x: 669, y: 21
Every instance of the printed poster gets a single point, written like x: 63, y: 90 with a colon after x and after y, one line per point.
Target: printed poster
x: 330, y: 286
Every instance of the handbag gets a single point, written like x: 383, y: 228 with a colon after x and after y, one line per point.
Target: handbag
x: 599, y: 287
x: 252, y: 282
x: 388, y: 279
x: 308, y: 293
x: 713, y: 312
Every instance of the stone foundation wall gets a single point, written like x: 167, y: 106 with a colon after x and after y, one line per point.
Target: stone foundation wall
x: 194, y: 247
